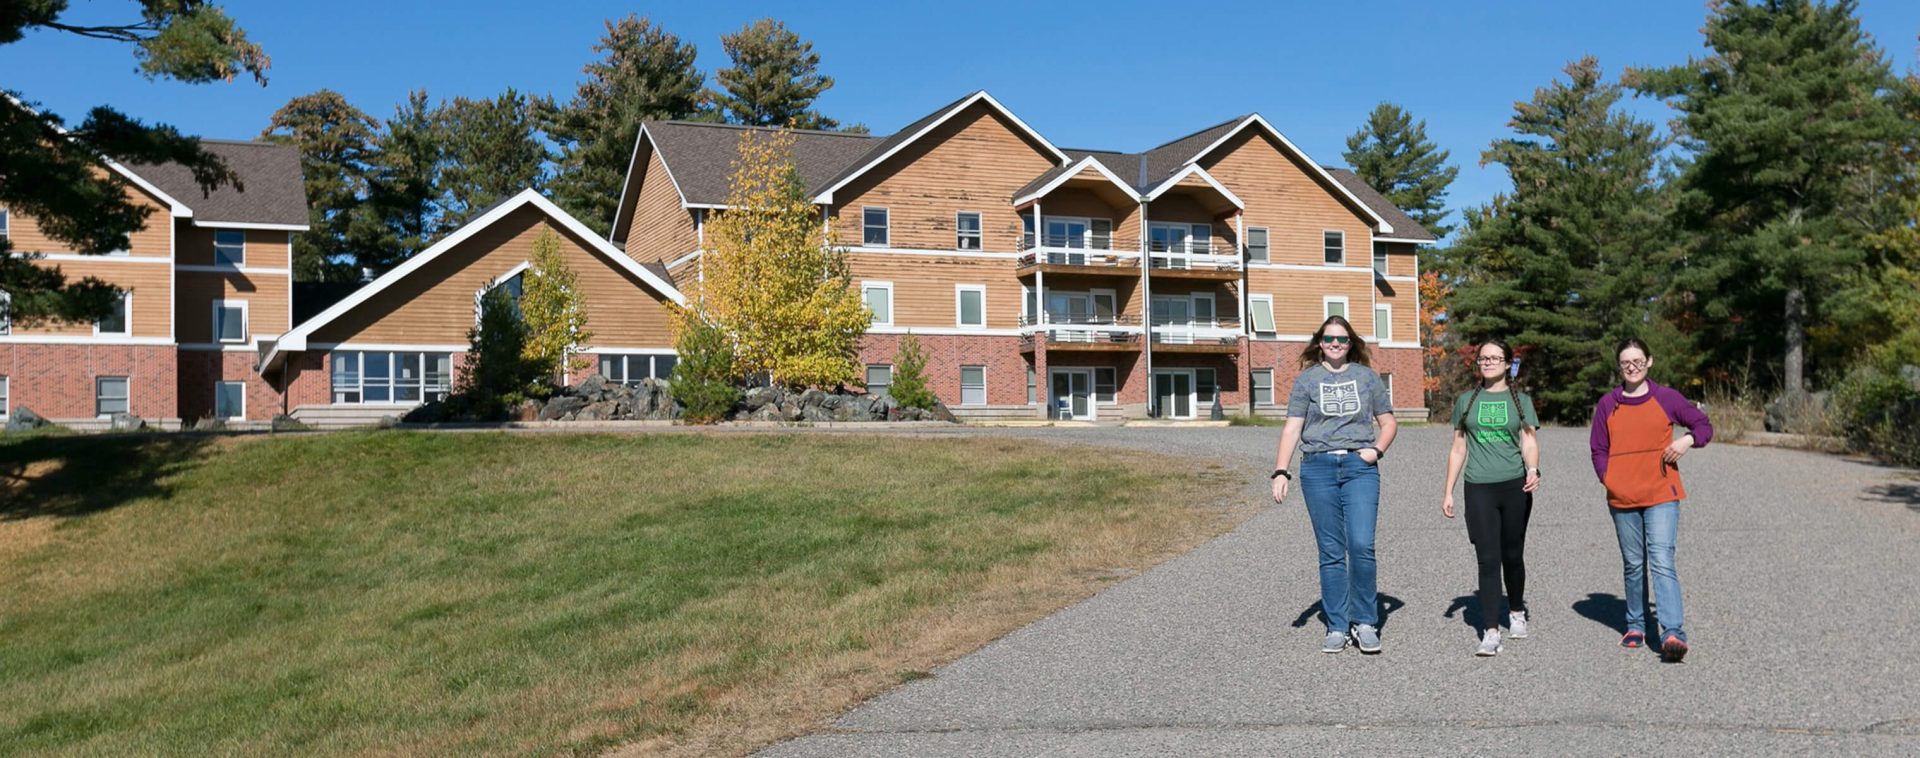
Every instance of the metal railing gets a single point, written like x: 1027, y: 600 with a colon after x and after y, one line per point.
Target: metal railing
x: 1064, y: 250
x: 1186, y: 331
x: 1193, y: 255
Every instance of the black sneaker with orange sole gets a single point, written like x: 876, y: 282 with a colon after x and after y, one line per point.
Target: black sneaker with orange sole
x: 1673, y: 649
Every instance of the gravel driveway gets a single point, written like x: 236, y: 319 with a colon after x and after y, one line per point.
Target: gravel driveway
x: 1802, y: 598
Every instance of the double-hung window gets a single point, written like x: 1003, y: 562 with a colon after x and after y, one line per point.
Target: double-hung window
x: 6, y: 398
x: 379, y: 377
x: 879, y: 378
x: 1382, y: 323
x: 973, y: 385
x: 109, y: 395
x: 971, y: 302
x: 633, y: 369
x: 230, y: 400
x: 874, y: 227
x: 879, y: 298
x: 229, y: 248
x: 1263, y: 386
x: 230, y: 320
x: 966, y: 233
x: 117, y: 321
x: 1335, y: 244
x: 1257, y: 245
x: 1380, y: 258
x: 1333, y: 305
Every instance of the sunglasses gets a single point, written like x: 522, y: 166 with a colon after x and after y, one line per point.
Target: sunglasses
x: 1334, y: 339
x: 1633, y: 365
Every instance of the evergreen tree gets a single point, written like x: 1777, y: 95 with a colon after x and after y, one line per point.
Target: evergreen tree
x: 646, y: 73
x: 705, y: 381
x: 497, y: 375
x: 554, y: 308
x: 491, y: 150
x: 909, y: 387
x: 1561, y: 266
x: 1791, y: 107
x: 401, y: 215
x: 51, y: 171
x: 774, y: 79
x: 336, y: 142
x: 1392, y: 154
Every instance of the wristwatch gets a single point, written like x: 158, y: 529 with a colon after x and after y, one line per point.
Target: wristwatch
x: 1377, y: 452
x: 1280, y: 472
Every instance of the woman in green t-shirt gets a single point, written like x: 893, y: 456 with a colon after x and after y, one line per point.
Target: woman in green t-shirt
x: 1493, y: 439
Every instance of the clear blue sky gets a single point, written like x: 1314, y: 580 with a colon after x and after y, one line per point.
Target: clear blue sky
x: 1114, y: 75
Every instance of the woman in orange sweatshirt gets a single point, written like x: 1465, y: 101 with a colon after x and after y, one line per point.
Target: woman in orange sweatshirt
x: 1638, y: 460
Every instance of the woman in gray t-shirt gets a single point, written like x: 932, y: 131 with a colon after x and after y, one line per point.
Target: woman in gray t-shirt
x: 1331, y: 417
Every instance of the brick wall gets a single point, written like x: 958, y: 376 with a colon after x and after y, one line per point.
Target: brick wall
x: 57, y: 381
x: 1006, y: 366
x: 310, y: 378
x: 1403, y: 363
x: 201, y: 369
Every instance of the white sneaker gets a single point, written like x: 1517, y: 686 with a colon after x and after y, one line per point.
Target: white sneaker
x: 1517, y: 625
x: 1489, y: 644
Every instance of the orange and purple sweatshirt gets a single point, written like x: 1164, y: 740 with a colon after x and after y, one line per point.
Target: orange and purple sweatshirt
x: 1628, y: 438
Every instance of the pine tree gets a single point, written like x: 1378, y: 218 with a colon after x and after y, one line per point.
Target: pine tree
x: 646, y: 73
x: 491, y: 150
x: 1562, y: 266
x: 497, y: 374
x: 705, y: 380
x: 401, y: 215
x: 774, y: 79
x: 909, y: 387
x: 554, y: 308
x: 1392, y: 154
x: 336, y: 142
x: 1791, y: 107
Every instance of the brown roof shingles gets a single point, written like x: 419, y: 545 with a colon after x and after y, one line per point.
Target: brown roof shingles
x: 270, y: 190
x: 1404, y: 227
x: 700, y: 156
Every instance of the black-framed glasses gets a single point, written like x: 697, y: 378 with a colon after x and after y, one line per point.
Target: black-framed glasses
x: 1335, y: 339
x: 1486, y: 360
x: 1633, y: 365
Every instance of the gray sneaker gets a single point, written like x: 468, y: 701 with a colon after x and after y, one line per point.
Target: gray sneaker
x: 1336, y: 642
x: 1489, y: 644
x: 1367, y: 637
x: 1517, y: 625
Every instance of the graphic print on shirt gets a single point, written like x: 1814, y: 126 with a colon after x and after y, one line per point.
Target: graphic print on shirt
x: 1341, y: 399
x: 1493, y: 418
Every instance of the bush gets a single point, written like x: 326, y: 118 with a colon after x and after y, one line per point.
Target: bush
x: 703, y: 380
x: 909, y: 388
x: 1879, y: 414
x: 498, y: 375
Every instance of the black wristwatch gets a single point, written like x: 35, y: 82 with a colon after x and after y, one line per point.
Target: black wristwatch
x: 1280, y: 472
x: 1378, y: 454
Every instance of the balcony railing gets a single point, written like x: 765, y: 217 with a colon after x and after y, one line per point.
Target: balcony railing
x: 1171, y: 331
x: 1193, y: 255
x: 1081, y: 328
x: 1071, y: 250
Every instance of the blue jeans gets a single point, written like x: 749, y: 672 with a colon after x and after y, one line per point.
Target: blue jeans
x: 1343, y: 501
x: 1646, y: 538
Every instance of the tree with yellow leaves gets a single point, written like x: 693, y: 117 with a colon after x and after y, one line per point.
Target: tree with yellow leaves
x: 773, y: 281
x: 553, y: 308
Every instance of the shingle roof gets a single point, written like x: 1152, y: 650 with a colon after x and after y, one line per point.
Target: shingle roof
x: 890, y: 142
x: 1166, y: 159
x: 700, y: 156
x: 270, y: 190
x: 1404, y: 227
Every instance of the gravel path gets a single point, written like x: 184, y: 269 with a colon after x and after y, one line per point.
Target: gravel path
x: 1801, y: 593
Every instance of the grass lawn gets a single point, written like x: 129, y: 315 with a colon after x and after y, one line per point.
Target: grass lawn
x: 396, y: 592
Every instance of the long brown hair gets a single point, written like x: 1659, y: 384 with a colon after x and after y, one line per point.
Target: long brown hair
x: 1356, y: 346
x: 1480, y: 382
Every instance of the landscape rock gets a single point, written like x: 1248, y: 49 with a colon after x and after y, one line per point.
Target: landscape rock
x: 23, y: 419
x: 286, y: 423
x: 126, y: 422
x: 601, y: 411
x: 559, y: 407
x: 593, y: 388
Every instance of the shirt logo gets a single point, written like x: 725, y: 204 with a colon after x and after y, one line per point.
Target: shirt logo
x: 1493, y: 413
x: 1341, y: 399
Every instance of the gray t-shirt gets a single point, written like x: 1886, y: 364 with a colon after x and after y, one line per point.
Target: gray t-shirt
x: 1339, y: 407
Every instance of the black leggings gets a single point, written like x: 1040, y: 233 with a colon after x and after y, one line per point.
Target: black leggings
x: 1497, y: 516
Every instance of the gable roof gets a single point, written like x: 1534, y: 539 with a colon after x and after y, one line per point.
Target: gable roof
x: 700, y: 156
x: 270, y: 194
x: 1161, y: 162
x: 914, y: 131
x: 295, y: 340
x: 1057, y: 175
x: 1221, y: 133
x: 1404, y: 227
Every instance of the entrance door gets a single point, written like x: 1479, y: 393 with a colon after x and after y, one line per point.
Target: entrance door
x: 1073, y: 391
x: 1069, y: 233
x: 1173, y: 391
x: 1173, y: 319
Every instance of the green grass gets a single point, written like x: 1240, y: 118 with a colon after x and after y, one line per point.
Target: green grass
x: 462, y: 593
x: 1256, y: 421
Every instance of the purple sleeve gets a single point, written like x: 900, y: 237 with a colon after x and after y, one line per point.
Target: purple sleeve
x: 1682, y: 411
x: 1600, y: 439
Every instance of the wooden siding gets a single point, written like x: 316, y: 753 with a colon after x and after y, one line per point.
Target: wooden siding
x: 153, y: 241
x: 1292, y: 204
x: 435, y: 304
x: 151, y: 286
x: 266, y: 296
x: 973, y: 162
x: 265, y: 249
x: 1298, y: 297
x: 661, y: 229
x: 924, y: 294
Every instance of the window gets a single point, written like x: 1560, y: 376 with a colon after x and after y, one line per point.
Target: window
x: 1336, y: 247
x: 879, y: 378
x: 6, y: 224
x: 1026, y: 232
x: 1263, y: 386
x: 109, y: 395
x: 966, y: 231
x: 972, y: 305
x: 873, y: 226
x: 1103, y: 383
x: 229, y: 248
x: 1206, y: 385
x: 1102, y: 232
x: 973, y: 385
x: 1333, y: 306
x: 230, y: 400
x: 115, y: 322
x: 1387, y: 379
x: 1200, y: 238
x: 6, y: 395
x: 879, y: 296
x: 1382, y: 323
x: 1380, y: 258
x: 1262, y: 308
x: 634, y: 369
x: 6, y: 313
x: 391, y: 378
x: 1257, y: 245
x: 1033, y: 385
x: 230, y: 321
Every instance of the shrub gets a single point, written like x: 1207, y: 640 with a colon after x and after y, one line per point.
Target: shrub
x: 909, y: 388
x: 1879, y: 414
x: 498, y: 374
x: 703, y: 380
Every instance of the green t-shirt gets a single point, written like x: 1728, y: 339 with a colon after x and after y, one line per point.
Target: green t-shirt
x: 1493, y: 434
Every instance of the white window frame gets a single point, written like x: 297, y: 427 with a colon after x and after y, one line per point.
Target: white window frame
x: 393, y: 377
x: 126, y: 300
x: 979, y: 231
x: 1086, y: 237
x: 6, y: 396
x: 1380, y: 258
x: 886, y: 226
x: 1253, y: 387
x: 959, y: 307
x: 1382, y: 322
x: 866, y: 379
x: 982, y: 385
x: 1113, y: 387
x: 1213, y: 307
x: 6, y: 224
x: 1342, y: 235
x: 1255, y: 305
x: 216, y: 401
x: 650, y: 368
x: 1387, y: 379
x: 1033, y: 385
x: 1213, y: 380
x: 1266, y: 248
x: 888, y: 286
x: 217, y: 245
x: 125, y: 381
x: 246, y: 332
x: 1326, y: 309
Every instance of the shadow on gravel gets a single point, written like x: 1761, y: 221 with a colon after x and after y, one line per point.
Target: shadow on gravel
x: 1388, y: 604
x: 1907, y: 494
x: 1468, y: 606
x: 1607, y: 609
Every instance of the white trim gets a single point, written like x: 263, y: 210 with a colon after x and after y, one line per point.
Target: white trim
x: 1346, y: 306
x: 199, y: 269
x: 126, y: 299
x: 1322, y: 268
x: 888, y: 286
x: 981, y: 230
x: 1379, y: 221
x: 246, y: 336
x: 699, y: 206
x: 373, y: 347
x: 1394, y: 344
x: 825, y: 197
x: 250, y: 225
x: 243, y: 400
x: 76, y: 339
x: 685, y: 259
x: 963, y: 386
x: 1194, y: 169
x: 858, y: 250
x: 945, y: 331
x: 1252, y: 301
x: 959, y: 306
x: 1073, y: 172
x: 215, y: 347
x: 1402, y: 239
x: 599, y: 349
x: 621, y: 209
x: 95, y: 257
x: 296, y: 338
x: 1343, y: 249
x: 888, y: 227
x: 243, y: 247
x: 1376, y: 322
x: 1411, y: 279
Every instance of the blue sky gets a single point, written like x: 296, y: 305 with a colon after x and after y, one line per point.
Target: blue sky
x: 1114, y: 75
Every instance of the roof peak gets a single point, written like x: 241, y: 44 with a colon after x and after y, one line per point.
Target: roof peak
x: 1198, y: 132
x: 749, y: 128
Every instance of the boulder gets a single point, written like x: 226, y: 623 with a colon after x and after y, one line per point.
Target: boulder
x: 593, y: 389
x: 600, y: 411
x: 126, y: 422
x: 527, y: 410
x: 765, y: 413
x: 285, y: 423
x: 790, y: 410
x: 758, y: 397
x: 812, y: 398
x: 560, y: 407
x: 209, y: 424
x: 815, y: 413
x: 940, y: 412
x: 1791, y: 412
x: 24, y: 419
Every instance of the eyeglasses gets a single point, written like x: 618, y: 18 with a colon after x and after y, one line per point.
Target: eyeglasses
x: 1334, y: 339
x: 1633, y: 365
x: 1489, y: 361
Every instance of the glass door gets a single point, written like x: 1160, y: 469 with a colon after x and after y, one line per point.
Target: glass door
x: 1072, y: 394
x: 1171, y: 242
x: 1174, y: 392
x: 1067, y: 233
x: 1173, y: 319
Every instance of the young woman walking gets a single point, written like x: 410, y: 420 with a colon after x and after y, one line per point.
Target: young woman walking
x: 1638, y: 460
x: 1493, y: 439
x: 1331, y: 413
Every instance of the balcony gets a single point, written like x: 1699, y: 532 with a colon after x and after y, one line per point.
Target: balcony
x: 1076, y: 254
x: 1193, y: 259
x: 1081, y: 332
x: 1219, y: 336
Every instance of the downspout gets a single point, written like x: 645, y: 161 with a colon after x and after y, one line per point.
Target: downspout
x: 1246, y: 308
x: 1146, y: 309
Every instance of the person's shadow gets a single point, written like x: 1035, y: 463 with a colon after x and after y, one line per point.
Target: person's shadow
x: 1388, y: 604
x: 1468, y: 606
x: 1608, y: 609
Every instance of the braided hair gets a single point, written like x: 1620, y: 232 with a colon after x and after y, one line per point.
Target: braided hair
x: 1513, y: 378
